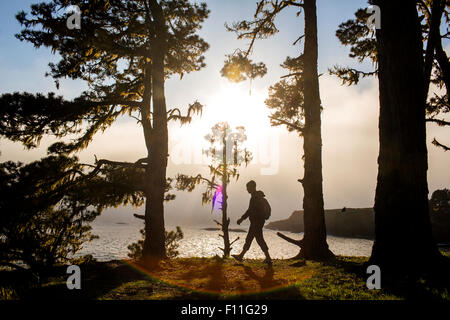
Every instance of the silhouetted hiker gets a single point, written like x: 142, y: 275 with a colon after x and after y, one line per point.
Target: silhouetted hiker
x: 257, y: 212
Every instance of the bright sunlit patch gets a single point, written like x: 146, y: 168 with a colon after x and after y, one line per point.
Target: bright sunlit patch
x: 226, y: 278
x: 234, y: 104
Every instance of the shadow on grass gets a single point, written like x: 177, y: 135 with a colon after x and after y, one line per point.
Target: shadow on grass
x: 97, y: 280
x: 270, y: 288
x: 432, y: 283
x: 224, y: 279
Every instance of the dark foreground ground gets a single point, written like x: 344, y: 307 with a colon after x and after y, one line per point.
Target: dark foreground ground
x: 215, y: 278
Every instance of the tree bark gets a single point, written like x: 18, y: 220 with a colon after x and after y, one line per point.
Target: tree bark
x: 314, y: 244
x: 154, y: 244
x: 444, y: 64
x: 403, y: 238
x: 434, y: 36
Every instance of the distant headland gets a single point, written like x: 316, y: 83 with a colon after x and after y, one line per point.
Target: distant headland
x: 356, y: 223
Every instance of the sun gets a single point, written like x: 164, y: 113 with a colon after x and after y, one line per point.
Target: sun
x: 235, y: 105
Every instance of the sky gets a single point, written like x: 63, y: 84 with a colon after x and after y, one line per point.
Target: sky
x: 349, y: 118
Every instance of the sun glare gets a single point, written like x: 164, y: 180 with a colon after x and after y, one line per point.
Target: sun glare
x: 235, y: 105
x: 232, y: 104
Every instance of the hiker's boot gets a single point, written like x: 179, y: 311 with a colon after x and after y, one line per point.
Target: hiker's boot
x: 238, y: 257
x: 268, y: 259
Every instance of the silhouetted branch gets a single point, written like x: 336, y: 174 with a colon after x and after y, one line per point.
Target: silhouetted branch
x: 424, y: 6
x: 189, y: 183
x: 175, y: 114
x: 299, y: 38
x: 350, y: 76
x: 12, y: 265
x: 234, y: 241
x: 439, y: 145
x: 116, y: 102
x: 100, y: 163
x: 440, y: 122
x: 289, y: 124
x: 136, y: 118
x: 290, y: 240
x: 261, y: 25
x: 292, y: 75
x: 293, y: 3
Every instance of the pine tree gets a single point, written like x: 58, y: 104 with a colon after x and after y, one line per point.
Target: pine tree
x: 46, y: 207
x: 124, y: 50
x: 436, y: 64
x: 297, y: 106
x: 402, y: 222
x: 226, y: 155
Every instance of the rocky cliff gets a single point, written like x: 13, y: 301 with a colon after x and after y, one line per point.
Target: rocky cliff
x: 356, y: 223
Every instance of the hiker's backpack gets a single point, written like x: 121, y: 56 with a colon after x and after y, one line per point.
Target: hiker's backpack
x: 265, y: 208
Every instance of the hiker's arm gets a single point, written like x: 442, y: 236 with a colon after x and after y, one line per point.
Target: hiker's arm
x: 248, y: 212
x: 244, y: 216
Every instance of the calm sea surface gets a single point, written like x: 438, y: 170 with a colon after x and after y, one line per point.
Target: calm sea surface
x: 116, y: 237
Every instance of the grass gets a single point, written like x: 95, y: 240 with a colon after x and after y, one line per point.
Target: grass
x: 344, y: 278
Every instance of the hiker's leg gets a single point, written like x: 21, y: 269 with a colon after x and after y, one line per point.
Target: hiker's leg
x: 248, y: 240
x: 260, y: 239
x: 262, y: 243
x: 247, y: 244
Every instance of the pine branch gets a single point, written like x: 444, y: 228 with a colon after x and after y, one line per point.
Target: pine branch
x: 350, y: 76
x: 234, y: 241
x: 122, y: 164
x: 102, y: 162
x: 136, y: 118
x: 175, y: 114
x: 261, y: 25
x: 440, y: 122
x: 293, y: 3
x: 116, y: 102
x: 290, y: 240
x: 276, y: 121
x: 439, y: 145
x: 299, y: 38
x: 292, y: 75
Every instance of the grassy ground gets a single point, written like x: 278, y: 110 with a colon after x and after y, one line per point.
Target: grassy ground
x: 215, y: 278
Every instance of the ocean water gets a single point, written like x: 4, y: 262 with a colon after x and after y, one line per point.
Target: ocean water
x: 114, y: 238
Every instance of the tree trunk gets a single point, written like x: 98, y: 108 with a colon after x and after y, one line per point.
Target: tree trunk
x: 314, y: 245
x: 154, y: 244
x: 225, y: 219
x: 434, y: 36
x: 444, y: 64
x: 403, y: 239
